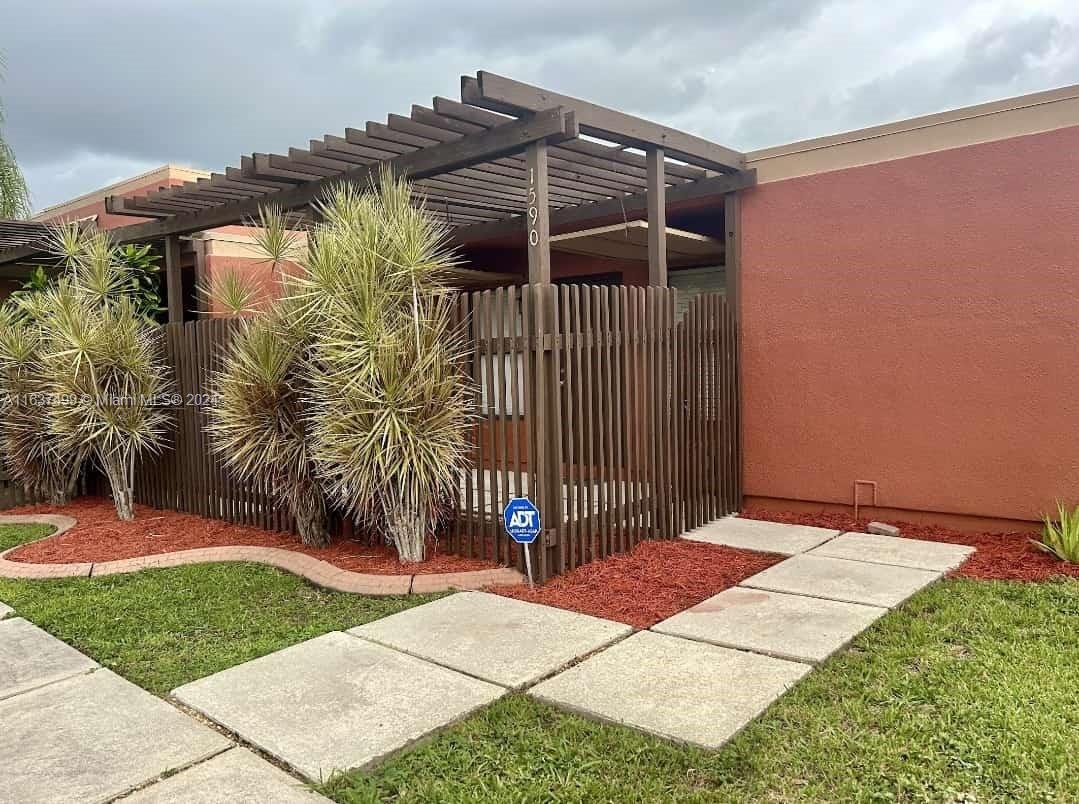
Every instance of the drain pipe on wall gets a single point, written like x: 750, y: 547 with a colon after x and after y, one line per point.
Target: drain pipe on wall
x: 873, y: 485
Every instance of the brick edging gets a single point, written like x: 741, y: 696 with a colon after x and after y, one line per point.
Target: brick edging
x: 315, y: 570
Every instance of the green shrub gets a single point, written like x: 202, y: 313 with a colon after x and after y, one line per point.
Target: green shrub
x: 1061, y: 538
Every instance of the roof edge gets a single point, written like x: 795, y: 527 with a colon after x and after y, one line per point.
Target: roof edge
x: 922, y: 121
x: 130, y: 184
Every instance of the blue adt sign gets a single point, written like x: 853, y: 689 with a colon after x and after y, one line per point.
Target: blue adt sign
x: 522, y: 520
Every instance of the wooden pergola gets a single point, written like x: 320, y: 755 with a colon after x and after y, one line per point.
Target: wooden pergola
x: 508, y: 159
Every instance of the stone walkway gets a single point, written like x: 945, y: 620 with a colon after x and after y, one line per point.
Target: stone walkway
x: 76, y: 732
x: 352, y: 699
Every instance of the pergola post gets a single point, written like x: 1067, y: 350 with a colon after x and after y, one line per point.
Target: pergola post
x: 174, y: 291
x: 537, y: 215
x: 657, y: 218
x: 732, y: 252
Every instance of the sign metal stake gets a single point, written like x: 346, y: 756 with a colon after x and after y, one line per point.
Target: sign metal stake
x: 521, y: 518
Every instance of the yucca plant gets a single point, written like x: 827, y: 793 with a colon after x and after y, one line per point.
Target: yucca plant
x: 101, y: 362
x: 31, y: 452
x: 372, y: 399
x: 1061, y: 537
x: 258, y: 423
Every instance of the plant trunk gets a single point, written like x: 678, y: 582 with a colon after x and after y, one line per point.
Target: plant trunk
x: 407, y: 524
x: 120, y: 473
x: 309, y: 510
x: 58, y: 495
x: 62, y: 488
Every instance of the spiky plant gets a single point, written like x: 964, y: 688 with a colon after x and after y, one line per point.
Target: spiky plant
x: 258, y: 423
x: 388, y: 424
x: 390, y: 408
x: 31, y: 452
x: 1060, y: 537
x: 365, y: 329
x: 102, y: 363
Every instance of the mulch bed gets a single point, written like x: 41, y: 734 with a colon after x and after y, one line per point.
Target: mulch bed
x: 999, y: 556
x: 100, y: 536
x: 654, y: 581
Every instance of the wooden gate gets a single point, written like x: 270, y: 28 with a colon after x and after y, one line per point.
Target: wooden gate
x: 615, y: 415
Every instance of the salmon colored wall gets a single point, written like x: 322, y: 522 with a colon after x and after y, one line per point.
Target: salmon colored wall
x: 260, y: 274
x: 916, y: 323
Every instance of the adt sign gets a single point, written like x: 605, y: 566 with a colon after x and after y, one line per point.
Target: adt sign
x: 522, y: 520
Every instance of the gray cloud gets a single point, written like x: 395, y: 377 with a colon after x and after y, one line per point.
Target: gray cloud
x: 96, y: 91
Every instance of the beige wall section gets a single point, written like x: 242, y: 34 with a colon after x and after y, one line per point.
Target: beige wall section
x: 166, y: 174
x: 986, y: 122
x: 219, y: 243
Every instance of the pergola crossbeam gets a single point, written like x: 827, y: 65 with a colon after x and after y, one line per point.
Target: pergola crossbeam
x: 619, y: 208
x: 614, y: 158
x: 500, y: 94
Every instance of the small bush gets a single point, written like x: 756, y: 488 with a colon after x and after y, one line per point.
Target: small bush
x: 1061, y: 538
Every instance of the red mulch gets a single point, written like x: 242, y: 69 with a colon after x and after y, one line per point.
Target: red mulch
x: 100, y: 536
x: 999, y: 556
x: 654, y: 581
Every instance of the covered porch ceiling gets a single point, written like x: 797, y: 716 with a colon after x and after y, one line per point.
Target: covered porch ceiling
x: 629, y: 241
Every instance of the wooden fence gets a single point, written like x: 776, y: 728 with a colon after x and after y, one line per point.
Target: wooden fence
x: 189, y: 476
x: 617, y: 416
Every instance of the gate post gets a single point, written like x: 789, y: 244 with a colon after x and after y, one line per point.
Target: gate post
x: 544, y: 414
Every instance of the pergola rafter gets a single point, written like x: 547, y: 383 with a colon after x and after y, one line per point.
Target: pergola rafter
x: 506, y: 159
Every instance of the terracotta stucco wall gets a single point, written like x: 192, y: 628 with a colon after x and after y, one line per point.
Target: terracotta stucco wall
x: 916, y: 323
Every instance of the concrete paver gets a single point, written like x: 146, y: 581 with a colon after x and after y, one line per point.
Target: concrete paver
x: 91, y: 737
x: 879, y: 549
x: 237, y: 776
x: 840, y: 579
x: 5, y: 610
x: 685, y: 691
x: 767, y: 537
x: 499, y: 639
x: 806, y: 629
x: 30, y: 657
x: 336, y: 702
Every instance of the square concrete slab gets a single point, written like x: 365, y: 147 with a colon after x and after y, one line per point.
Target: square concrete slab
x: 237, y: 776
x: 30, y: 657
x: 336, y: 702
x: 806, y: 629
x: 766, y: 537
x: 499, y: 639
x: 682, y: 690
x: 93, y: 737
x: 5, y: 610
x: 840, y: 579
x: 938, y: 556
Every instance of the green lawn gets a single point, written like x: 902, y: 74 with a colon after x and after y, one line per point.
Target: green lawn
x: 14, y: 535
x: 966, y: 693
x: 162, y: 628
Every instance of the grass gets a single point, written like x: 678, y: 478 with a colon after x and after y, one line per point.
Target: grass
x: 163, y: 628
x: 967, y: 693
x: 14, y: 535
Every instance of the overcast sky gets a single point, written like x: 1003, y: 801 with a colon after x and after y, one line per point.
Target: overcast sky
x: 98, y: 90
